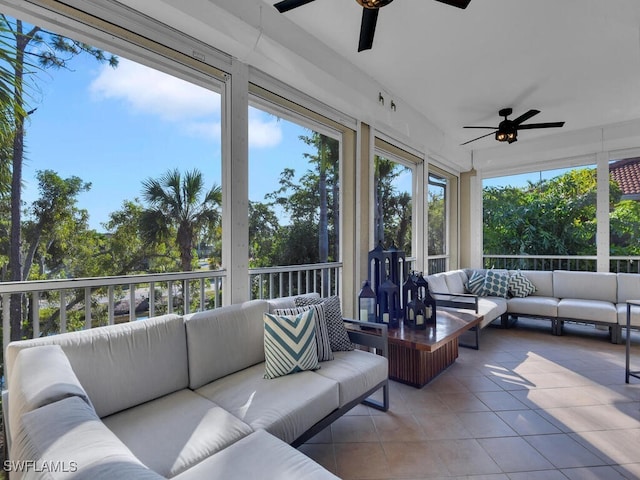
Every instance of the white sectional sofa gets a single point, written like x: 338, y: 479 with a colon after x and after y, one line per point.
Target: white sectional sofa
x: 597, y: 298
x: 180, y: 397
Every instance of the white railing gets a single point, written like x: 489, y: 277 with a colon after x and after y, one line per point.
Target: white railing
x: 617, y: 264
x: 272, y: 282
x: 99, y: 296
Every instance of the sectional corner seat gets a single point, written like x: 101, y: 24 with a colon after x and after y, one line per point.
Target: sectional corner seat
x: 597, y: 298
x: 179, y: 397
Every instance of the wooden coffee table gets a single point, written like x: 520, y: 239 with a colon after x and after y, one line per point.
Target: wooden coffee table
x: 417, y: 356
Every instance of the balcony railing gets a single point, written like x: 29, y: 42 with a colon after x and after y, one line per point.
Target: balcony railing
x: 58, y: 306
x: 617, y: 264
x: 273, y: 282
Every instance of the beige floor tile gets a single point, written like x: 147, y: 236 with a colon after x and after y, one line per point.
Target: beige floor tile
x: 498, y: 401
x: 443, y: 426
x: 361, y: 460
x: 464, y: 457
x: 513, y: 454
x: 560, y: 400
x: 527, y: 422
x: 413, y: 458
x: 354, y: 429
x: 563, y: 451
x: 593, y: 473
x: 485, y: 424
x: 463, y: 402
x: 398, y: 428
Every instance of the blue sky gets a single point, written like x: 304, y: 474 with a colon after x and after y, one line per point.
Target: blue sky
x: 117, y: 127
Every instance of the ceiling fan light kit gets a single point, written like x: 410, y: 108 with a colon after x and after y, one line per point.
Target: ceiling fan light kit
x: 369, y: 15
x: 507, y: 130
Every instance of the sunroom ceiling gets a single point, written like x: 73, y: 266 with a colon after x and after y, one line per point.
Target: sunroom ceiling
x: 577, y: 61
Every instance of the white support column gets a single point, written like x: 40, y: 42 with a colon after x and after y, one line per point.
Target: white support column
x: 421, y: 216
x: 235, y: 186
x: 476, y: 221
x: 602, y: 212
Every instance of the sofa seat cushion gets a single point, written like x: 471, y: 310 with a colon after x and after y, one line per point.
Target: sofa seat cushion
x: 622, y: 315
x: 491, y: 308
x: 546, y: 307
x: 70, y: 436
x: 285, y: 406
x: 260, y: 455
x: 356, y: 372
x: 173, y: 433
x: 588, y: 310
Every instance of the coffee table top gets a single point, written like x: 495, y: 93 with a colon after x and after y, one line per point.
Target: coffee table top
x: 450, y: 324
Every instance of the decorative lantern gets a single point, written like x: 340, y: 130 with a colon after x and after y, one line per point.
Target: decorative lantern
x: 389, y: 304
x: 379, y: 260
x: 396, y: 270
x: 367, y: 303
x: 409, y: 291
x: 430, y: 307
x: 423, y: 285
x: 415, y: 315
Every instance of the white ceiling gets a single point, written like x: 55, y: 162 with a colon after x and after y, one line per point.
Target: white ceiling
x: 577, y: 61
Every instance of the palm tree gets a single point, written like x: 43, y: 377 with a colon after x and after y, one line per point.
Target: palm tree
x: 176, y: 207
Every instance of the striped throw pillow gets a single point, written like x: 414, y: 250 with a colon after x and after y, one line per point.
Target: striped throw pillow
x: 323, y: 345
x: 475, y: 285
x: 289, y: 344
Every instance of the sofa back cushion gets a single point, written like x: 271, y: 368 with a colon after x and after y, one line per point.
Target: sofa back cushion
x: 437, y: 283
x: 224, y: 340
x: 456, y: 281
x: 585, y: 285
x: 41, y: 376
x: 121, y: 366
x: 628, y: 287
x: 542, y: 280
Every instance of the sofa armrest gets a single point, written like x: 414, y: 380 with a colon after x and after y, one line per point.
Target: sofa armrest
x: 457, y: 300
x: 366, y: 334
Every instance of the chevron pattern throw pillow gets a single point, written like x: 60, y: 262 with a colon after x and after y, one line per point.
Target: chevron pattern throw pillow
x: 520, y: 285
x: 323, y: 344
x: 289, y: 344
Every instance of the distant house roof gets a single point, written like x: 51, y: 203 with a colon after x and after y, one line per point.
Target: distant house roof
x: 627, y: 173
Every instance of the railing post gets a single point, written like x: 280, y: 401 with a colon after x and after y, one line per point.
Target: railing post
x: 152, y: 299
x: 132, y: 302
x: 170, y: 296
x: 87, y: 308
x: 63, y: 311
x: 110, y: 305
x: 36, y: 314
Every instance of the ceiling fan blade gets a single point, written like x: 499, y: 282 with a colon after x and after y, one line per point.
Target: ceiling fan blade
x: 525, y: 116
x: 530, y: 126
x: 367, y: 28
x: 473, y: 126
x: 456, y: 3
x: 482, y: 136
x: 286, y: 5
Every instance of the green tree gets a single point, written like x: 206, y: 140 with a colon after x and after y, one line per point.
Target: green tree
x: 553, y: 217
x: 263, y: 231
x: 179, y: 207
x: 392, y: 208
x: 23, y: 48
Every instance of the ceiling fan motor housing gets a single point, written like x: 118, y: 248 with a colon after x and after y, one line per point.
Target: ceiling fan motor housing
x: 374, y: 3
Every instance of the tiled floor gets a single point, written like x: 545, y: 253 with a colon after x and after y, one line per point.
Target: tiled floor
x: 528, y: 405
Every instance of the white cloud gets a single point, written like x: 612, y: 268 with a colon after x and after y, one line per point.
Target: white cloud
x: 263, y: 132
x: 195, y: 110
x: 150, y: 91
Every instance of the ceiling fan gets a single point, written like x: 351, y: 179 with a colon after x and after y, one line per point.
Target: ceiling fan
x: 369, y: 15
x: 507, y: 130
